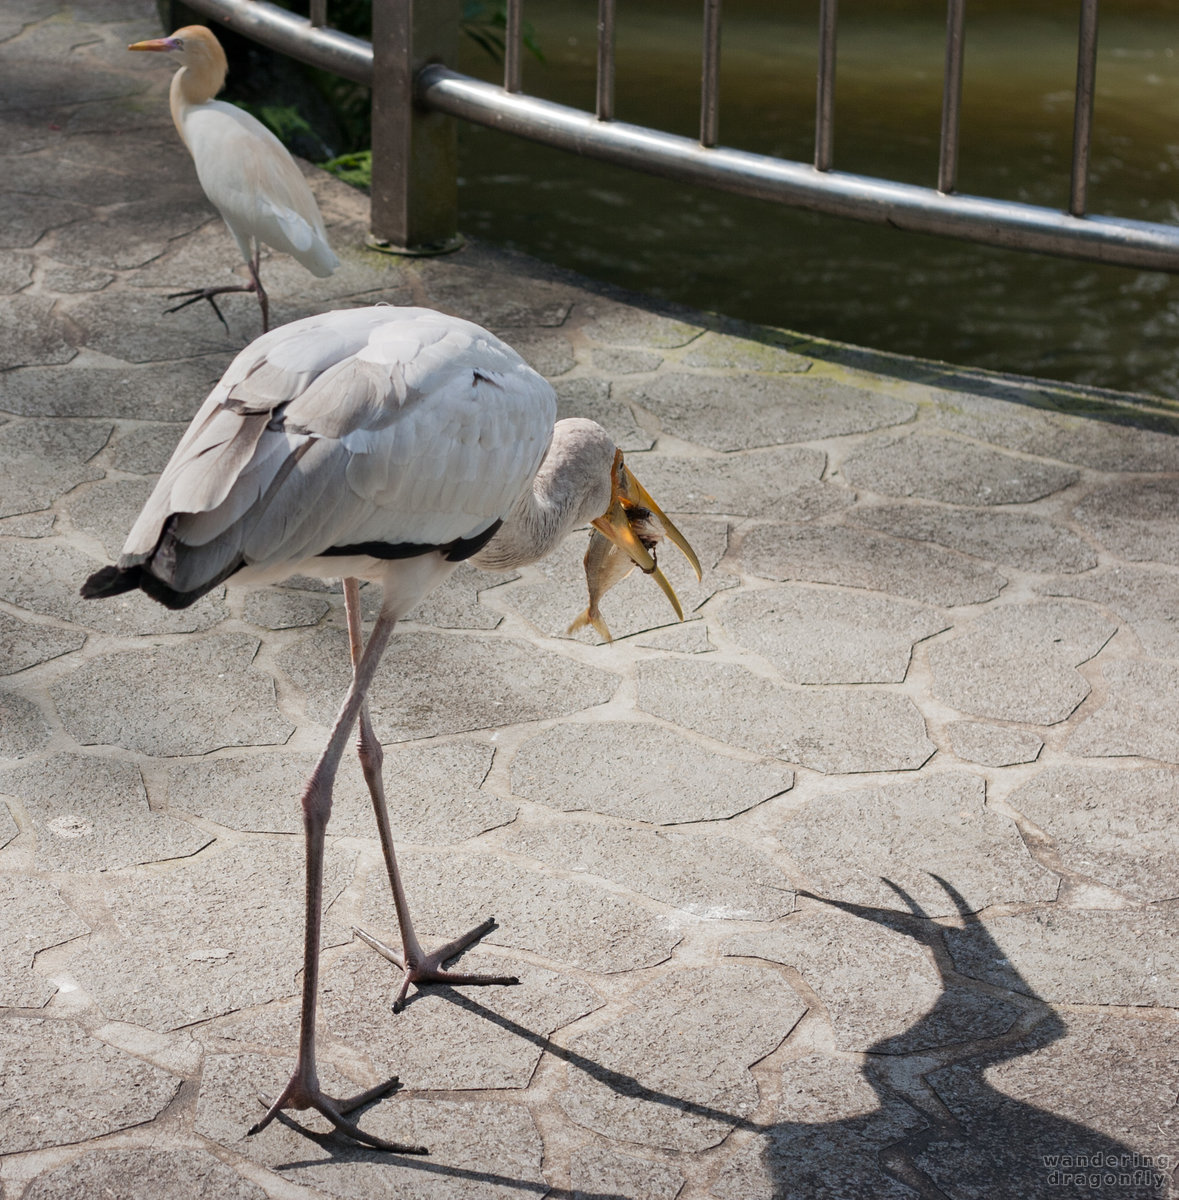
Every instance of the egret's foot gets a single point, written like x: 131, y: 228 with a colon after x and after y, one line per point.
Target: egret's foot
x: 206, y: 293
x: 300, y: 1094
x: 427, y: 968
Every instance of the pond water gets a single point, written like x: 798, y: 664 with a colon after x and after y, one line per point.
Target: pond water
x: 834, y: 278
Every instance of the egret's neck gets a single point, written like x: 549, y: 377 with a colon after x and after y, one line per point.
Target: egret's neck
x: 195, y: 83
x: 571, y: 488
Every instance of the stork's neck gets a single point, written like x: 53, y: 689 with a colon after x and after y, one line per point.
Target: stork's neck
x: 571, y: 488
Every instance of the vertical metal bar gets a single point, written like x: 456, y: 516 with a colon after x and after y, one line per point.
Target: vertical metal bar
x: 710, y: 75
x: 605, y: 100
x: 318, y: 13
x: 414, y: 203
x: 513, y: 40
x: 947, y: 166
x: 825, y: 99
x: 1083, y: 110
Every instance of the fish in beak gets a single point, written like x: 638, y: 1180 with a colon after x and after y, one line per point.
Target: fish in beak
x: 625, y: 536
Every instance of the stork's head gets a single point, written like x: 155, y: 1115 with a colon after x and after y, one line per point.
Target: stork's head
x: 193, y: 47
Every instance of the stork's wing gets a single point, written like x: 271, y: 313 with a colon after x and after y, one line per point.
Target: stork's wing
x: 399, y: 427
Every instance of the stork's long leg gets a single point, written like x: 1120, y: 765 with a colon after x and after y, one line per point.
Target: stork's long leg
x: 419, y: 967
x: 303, y: 1090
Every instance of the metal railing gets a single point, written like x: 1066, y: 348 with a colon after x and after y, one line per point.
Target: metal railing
x: 414, y: 199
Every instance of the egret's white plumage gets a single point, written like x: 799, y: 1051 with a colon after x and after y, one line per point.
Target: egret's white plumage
x: 242, y: 167
x: 386, y: 444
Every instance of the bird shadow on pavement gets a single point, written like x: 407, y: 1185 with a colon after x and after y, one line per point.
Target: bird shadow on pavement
x: 953, y: 1136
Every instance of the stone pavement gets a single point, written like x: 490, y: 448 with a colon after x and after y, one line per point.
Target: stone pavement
x: 861, y: 882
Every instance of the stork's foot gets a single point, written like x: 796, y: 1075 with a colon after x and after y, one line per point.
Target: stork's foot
x: 301, y: 1093
x: 422, y: 968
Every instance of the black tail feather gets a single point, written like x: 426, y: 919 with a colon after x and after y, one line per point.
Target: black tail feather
x: 113, y: 581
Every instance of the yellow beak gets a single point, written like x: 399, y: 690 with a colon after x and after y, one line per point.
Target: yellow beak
x: 154, y: 44
x: 628, y: 495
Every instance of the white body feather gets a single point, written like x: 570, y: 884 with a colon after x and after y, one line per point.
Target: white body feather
x: 252, y: 181
x: 255, y: 185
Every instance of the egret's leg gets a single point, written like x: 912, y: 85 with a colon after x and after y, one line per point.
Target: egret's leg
x: 256, y: 277
x: 192, y: 295
x: 419, y: 967
x: 303, y: 1090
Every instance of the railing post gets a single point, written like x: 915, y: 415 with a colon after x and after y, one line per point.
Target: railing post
x: 414, y: 205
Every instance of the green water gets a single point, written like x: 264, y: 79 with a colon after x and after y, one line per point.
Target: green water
x: 862, y: 284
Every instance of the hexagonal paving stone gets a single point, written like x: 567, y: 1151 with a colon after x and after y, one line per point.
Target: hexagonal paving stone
x: 144, y: 1175
x: 42, y: 460
x: 993, y: 745
x: 280, y: 608
x: 615, y: 324
x: 433, y: 793
x: 855, y: 558
x: 640, y: 771
x: 741, y: 411
x: 455, y: 605
x: 1018, y: 662
x: 1021, y: 540
x: 593, y: 398
x: 24, y: 728
x: 35, y: 918
x: 52, y: 1070
x: 32, y: 334
x: 1085, y: 1109
x: 909, y: 833
x: 23, y: 644
x: 220, y: 933
x: 1139, y: 716
x: 91, y: 814
x: 1145, y: 598
x: 782, y: 483
x: 699, y: 1087
x: 1076, y: 956
x: 833, y: 730
x: 813, y: 635
x: 186, y: 699
x: 1115, y: 825
x: 935, y: 467
x: 1134, y: 519
x: 881, y: 988
x: 707, y: 875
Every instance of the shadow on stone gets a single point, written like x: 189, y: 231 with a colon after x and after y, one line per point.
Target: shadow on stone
x: 963, y: 1136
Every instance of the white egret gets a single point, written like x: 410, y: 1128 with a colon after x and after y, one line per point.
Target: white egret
x: 243, y: 168
x: 385, y: 444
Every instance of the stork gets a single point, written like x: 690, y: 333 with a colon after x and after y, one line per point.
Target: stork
x: 386, y: 444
